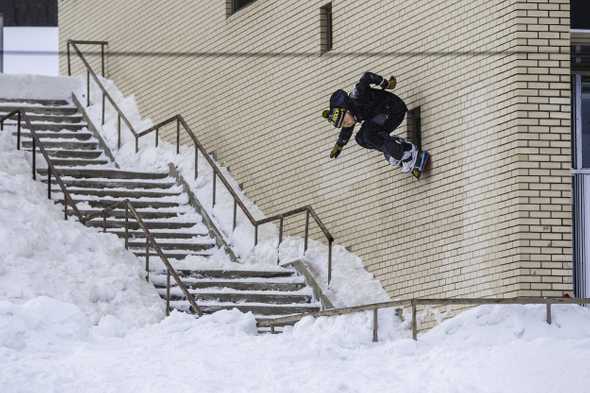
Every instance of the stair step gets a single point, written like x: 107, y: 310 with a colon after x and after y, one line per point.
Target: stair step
x: 120, y: 213
x: 109, y: 174
x: 114, y: 184
x: 71, y: 145
x: 160, y: 235
x: 81, y: 136
x: 30, y: 101
x: 149, y: 224
x: 228, y: 274
x: 236, y: 297
x: 136, y: 204
x: 41, y: 126
x: 39, y: 117
x: 239, y: 285
x: 121, y: 193
x: 255, y: 308
x: 170, y: 254
x: 40, y: 109
x: 70, y: 153
x: 176, y: 246
x: 78, y: 162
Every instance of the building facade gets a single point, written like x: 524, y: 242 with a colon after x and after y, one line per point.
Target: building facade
x: 491, y: 80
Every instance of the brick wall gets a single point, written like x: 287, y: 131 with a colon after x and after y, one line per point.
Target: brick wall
x: 491, y: 78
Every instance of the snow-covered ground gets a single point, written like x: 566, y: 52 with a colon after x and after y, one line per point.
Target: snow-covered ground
x: 77, y: 316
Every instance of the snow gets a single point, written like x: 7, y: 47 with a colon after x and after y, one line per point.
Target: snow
x: 77, y: 316
x: 351, y: 283
x: 31, y: 50
x: 38, y: 87
x: 43, y: 255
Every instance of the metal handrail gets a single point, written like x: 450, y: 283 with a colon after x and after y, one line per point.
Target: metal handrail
x: 105, y: 94
x: 149, y: 242
x: 84, y: 219
x: 21, y: 115
x: 413, y: 303
x: 217, y: 173
x: 82, y: 42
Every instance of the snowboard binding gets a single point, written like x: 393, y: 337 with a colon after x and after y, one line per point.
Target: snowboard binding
x: 421, y: 164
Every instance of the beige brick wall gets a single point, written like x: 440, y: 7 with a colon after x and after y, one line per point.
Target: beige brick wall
x: 491, y: 78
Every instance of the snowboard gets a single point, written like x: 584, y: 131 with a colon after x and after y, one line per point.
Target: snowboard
x: 421, y: 164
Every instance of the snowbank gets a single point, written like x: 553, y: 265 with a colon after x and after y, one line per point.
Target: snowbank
x: 351, y: 283
x: 38, y: 87
x: 44, y: 255
x: 222, y: 353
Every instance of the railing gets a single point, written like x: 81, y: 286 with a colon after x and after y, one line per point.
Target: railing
x: 85, y: 219
x: 413, y: 303
x: 179, y: 121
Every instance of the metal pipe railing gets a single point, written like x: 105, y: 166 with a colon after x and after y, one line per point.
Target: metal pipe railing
x: 85, y: 219
x: 105, y: 94
x: 36, y: 142
x: 150, y: 243
x: 414, y: 303
x: 217, y: 173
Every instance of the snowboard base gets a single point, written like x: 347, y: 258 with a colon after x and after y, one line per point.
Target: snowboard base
x: 421, y: 164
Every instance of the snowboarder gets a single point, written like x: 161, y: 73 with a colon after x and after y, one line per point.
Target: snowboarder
x: 380, y: 112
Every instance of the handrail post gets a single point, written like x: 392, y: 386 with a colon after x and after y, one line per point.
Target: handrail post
x: 18, y: 127
x: 157, y: 135
x: 66, y: 208
x: 549, y: 313
x: 33, y: 137
x: 375, y: 325
x: 147, y: 257
x: 177, y: 136
x: 235, y: 215
x: 330, y: 260
x: 214, y: 186
x: 127, y: 225
x: 255, y: 234
x: 136, y: 144
x: 104, y: 220
x: 87, y: 88
x: 414, y: 320
x: 49, y: 182
x: 281, y: 223
x: 102, y: 58
x: 118, y: 131
x: 69, y: 60
x: 305, y: 239
x: 196, y: 162
x: 168, y: 292
x: 103, y: 107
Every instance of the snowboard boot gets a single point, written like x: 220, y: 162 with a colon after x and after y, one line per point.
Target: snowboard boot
x: 409, y: 157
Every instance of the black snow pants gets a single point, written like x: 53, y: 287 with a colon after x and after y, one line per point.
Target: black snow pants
x: 374, y: 134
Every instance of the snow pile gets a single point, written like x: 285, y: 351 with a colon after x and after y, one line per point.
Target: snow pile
x: 221, y: 353
x: 40, y: 87
x: 44, y: 255
x: 351, y: 283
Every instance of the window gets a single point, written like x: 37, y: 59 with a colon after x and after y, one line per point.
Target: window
x: 580, y: 10
x: 233, y: 6
x: 326, y: 28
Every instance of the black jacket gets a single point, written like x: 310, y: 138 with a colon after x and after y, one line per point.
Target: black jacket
x: 377, y: 109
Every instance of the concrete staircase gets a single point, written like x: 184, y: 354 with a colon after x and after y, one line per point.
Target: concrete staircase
x: 94, y: 182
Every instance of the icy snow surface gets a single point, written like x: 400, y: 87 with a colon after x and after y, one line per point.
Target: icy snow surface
x: 351, y: 283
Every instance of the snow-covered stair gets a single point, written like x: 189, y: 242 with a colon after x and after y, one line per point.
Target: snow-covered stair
x: 94, y: 182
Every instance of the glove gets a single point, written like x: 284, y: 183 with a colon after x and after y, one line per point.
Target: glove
x: 391, y: 83
x: 336, y: 150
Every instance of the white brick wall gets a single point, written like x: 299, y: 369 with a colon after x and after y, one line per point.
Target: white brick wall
x: 491, y: 78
